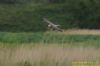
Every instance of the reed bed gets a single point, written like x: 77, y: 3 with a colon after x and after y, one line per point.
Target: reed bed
x: 48, y: 55
x: 50, y: 48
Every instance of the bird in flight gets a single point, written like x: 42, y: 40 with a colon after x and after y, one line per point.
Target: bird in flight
x: 52, y: 26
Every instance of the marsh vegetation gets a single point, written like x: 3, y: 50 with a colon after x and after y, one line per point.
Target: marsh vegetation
x: 49, y: 48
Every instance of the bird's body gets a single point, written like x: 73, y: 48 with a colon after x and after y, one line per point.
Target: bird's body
x: 52, y: 26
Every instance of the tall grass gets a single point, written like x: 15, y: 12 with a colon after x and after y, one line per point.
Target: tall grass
x: 44, y: 63
x: 24, y: 55
x: 84, y: 63
x: 49, y: 38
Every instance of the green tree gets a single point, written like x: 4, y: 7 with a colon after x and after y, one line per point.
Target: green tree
x: 56, y: 1
x: 8, y: 1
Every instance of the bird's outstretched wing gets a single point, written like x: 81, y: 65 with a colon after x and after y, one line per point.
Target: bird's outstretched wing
x: 49, y: 22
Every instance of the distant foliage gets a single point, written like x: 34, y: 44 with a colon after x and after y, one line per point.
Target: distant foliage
x: 26, y: 15
x: 85, y: 13
x: 56, y: 1
x: 8, y: 1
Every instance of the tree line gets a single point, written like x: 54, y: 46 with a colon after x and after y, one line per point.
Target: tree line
x: 27, y: 14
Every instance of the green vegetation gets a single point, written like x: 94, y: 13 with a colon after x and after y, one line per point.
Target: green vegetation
x: 24, y: 64
x: 26, y: 15
x: 86, y: 63
x: 19, y: 18
x: 23, y: 49
x: 44, y: 63
x: 49, y: 38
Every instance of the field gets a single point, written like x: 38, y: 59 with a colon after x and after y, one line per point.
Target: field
x: 25, y: 41
x: 68, y: 48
